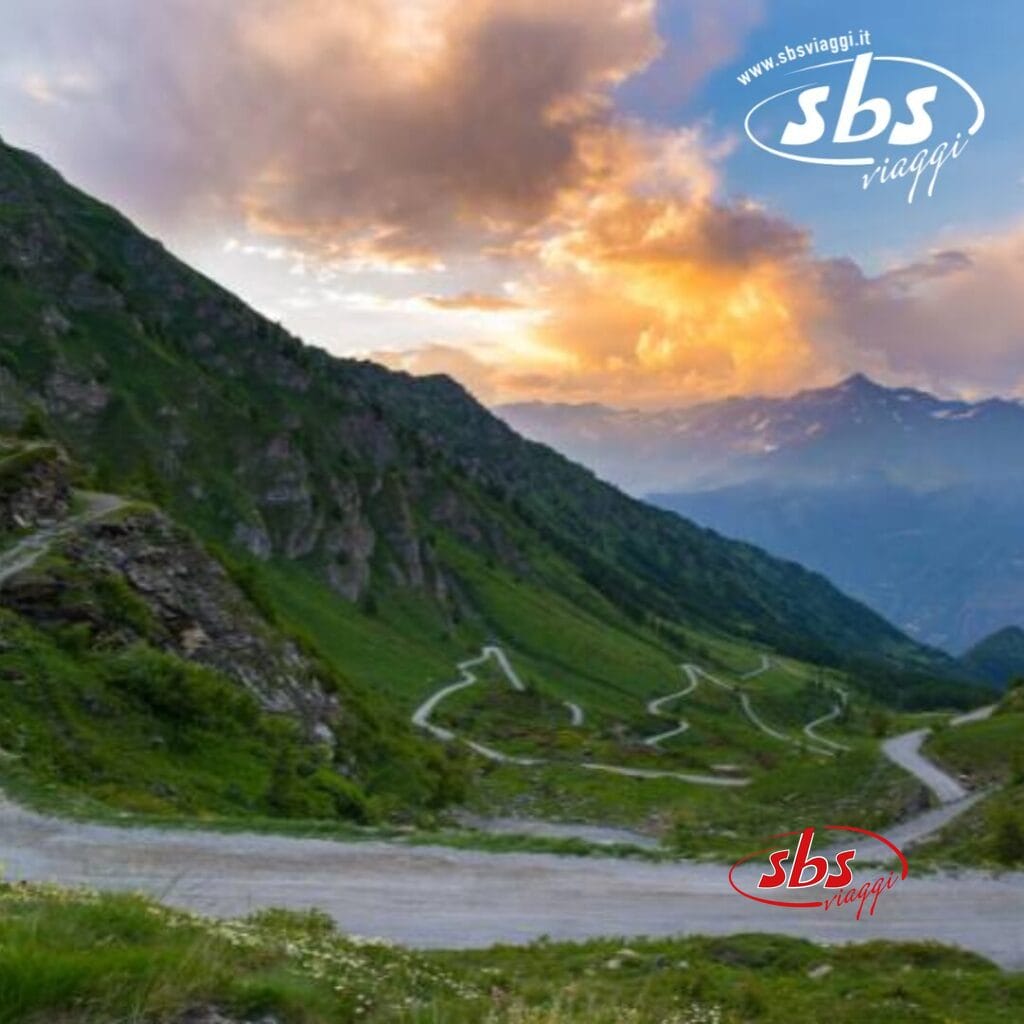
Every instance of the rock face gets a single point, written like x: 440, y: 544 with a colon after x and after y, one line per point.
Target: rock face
x: 195, y: 611
x: 34, y: 486
x: 201, y: 614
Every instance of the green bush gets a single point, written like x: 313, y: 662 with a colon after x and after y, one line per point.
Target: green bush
x: 178, y: 692
x: 1006, y: 834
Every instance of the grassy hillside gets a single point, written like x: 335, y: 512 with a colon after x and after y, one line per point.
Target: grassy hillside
x: 369, y: 481
x: 388, y: 527
x: 127, y: 644
x: 989, y: 754
x: 999, y: 658
x: 138, y: 675
x: 77, y: 956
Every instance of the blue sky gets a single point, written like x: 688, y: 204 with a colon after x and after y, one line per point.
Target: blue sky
x: 984, y: 43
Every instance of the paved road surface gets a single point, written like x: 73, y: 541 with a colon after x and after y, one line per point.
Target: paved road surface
x: 837, y: 710
x: 973, y: 716
x: 656, y: 708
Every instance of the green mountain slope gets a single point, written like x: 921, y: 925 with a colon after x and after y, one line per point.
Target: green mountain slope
x: 138, y: 673
x: 999, y: 658
x: 371, y: 482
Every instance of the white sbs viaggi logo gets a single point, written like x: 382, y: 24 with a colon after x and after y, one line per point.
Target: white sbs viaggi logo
x: 901, y: 119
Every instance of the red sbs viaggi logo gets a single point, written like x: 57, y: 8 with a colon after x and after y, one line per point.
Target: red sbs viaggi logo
x: 794, y: 878
x: 899, y: 119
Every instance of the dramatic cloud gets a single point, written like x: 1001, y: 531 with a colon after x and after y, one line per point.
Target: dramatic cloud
x: 368, y: 126
x: 452, y: 185
x: 953, y: 322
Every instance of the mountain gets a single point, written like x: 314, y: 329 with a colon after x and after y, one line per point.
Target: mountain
x: 909, y: 502
x: 362, y: 478
x: 139, y: 671
x: 832, y: 436
x: 998, y: 658
x: 256, y: 561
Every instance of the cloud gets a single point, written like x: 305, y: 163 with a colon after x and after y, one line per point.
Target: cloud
x: 472, y: 135
x: 711, y: 35
x: 548, y: 245
x: 480, y: 302
x: 953, y: 321
x: 63, y: 87
x: 647, y: 286
x: 430, y: 134
x: 402, y: 129
x: 484, y: 379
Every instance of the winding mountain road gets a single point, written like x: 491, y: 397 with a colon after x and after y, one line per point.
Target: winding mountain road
x: 439, y: 897
x: 837, y: 710
x: 422, y: 718
x: 655, y: 707
x: 905, y: 750
x: 576, y: 715
x: 977, y: 715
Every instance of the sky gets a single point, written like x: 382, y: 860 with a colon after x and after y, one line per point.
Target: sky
x: 555, y: 199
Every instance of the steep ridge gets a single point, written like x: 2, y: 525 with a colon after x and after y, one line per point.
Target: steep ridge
x: 137, y: 672
x: 998, y: 658
x: 368, y: 481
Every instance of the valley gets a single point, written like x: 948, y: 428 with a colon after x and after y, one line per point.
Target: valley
x: 281, y: 630
x: 909, y: 501
x: 425, y: 896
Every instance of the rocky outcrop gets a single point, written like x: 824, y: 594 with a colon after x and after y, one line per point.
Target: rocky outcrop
x: 72, y: 397
x: 195, y: 611
x: 34, y: 487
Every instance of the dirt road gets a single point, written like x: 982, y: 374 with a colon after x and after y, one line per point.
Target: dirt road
x: 433, y: 897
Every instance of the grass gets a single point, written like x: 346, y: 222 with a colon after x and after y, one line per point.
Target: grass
x: 89, y: 735
x: 141, y: 731
x: 80, y: 956
x: 88, y: 740
x: 67, y: 802
x: 704, y: 820
x: 989, y: 753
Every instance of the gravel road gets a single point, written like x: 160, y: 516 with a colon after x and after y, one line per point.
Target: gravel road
x: 905, y: 750
x: 433, y: 897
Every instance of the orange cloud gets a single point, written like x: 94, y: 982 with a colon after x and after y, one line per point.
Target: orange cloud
x: 650, y: 291
x: 479, y: 301
x: 469, y: 142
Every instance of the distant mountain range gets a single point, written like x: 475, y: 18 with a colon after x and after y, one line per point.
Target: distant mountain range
x: 913, y: 503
